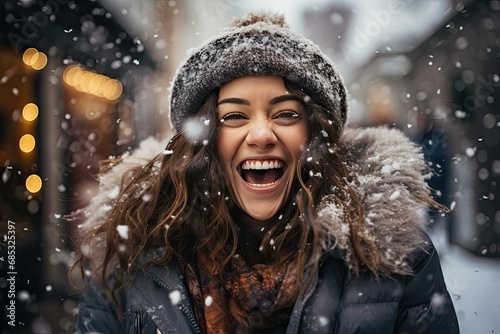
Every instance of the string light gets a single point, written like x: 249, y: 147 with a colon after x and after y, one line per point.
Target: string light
x: 34, y: 58
x: 92, y: 83
x: 30, y: 112
x: 33, y: 183
x: 27, y: 143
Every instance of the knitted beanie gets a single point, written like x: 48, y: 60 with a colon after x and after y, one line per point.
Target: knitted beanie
x: 257, y: 44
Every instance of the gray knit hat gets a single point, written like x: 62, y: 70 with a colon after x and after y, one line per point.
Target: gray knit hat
x: 256, y: 44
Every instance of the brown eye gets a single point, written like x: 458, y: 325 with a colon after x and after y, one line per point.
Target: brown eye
x: 233, y: 119
x: 232, y: 116
x: 287, y: 114
x: 287, y: 117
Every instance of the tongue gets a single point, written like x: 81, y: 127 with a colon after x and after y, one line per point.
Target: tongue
x: 262, y: 176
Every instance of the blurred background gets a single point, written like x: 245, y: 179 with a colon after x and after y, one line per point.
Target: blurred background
x: 81, y: 81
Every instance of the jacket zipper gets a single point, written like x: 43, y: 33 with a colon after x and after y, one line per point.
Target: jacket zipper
x: 181, y: 305
x: 293, y: 326
x: 137, y: 322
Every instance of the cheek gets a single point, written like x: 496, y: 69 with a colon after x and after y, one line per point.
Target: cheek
x: 300, y: 140
x: 223, y: 150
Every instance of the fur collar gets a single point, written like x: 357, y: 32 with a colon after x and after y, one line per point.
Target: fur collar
x: 389, y: 174
x: 388, y: 171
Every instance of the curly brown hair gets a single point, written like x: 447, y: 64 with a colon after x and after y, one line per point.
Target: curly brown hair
x: 188, y: 211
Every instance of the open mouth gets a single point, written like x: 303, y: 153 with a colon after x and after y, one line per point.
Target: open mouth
x: 261, y: 173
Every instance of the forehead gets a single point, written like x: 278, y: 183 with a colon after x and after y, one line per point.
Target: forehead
x: 251, y: 84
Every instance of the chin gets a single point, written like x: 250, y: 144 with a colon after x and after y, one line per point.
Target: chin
x: 261, y: 212
x: 262, y: 216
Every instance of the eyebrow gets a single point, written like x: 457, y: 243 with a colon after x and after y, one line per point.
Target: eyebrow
x: 284, y: 98
x: 235, y: 100
x: 274, y: 100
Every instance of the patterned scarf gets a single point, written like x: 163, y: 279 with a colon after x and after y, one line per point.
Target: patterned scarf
x: 257, y: 299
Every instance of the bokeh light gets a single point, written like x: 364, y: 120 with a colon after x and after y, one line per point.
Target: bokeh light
x: 34, y: 58
x: 92, y: 83
x: 28, y: 55
x: 39, y: 61
x: 33, y: 183
x: 27, y: 143
x: 30, y: 112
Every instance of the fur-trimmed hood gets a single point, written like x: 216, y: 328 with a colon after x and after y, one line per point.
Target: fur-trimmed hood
x: 389, y: 172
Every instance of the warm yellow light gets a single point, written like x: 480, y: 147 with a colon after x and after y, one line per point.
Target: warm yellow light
x: 27, y: 143
x: 30, y: 112
x: 92, y: 83
x: 83, y: 84
x: 77, y: 78
x: 69, y: 74
x: 39, y: 61
x: 103, y: 88
x: 119, y: 90
x: 112, y: 89
x: 28, y: 56
x: 33, y: 183
x: 96, y: 83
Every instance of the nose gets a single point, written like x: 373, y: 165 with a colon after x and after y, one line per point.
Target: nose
x: 261, y: 134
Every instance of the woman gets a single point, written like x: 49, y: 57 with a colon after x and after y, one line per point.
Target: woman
x: 263, y: 215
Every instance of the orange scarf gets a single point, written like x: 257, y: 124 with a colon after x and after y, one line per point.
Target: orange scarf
x: 257, y: 299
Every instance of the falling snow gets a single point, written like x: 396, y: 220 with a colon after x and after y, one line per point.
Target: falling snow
x: 122, y: 231
x: 195, y: 130
x: 470, y: 98
x: 175, y: 297
x: 323, y: 321
x: 470, y: 151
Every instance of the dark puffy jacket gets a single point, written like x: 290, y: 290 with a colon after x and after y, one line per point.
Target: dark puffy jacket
x: 158, y: 302
x: 388, y: 170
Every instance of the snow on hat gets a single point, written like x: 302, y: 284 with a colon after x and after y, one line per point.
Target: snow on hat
x: 256, y: 44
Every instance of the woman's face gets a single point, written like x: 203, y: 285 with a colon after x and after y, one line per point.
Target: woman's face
x: 262, y: 131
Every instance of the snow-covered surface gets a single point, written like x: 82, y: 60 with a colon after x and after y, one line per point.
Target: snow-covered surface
x: 474, y: 283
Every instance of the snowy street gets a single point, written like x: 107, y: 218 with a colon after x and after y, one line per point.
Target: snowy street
x: 474, y: 284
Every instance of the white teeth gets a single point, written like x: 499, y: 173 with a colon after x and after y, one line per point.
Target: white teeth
x: 262, y: 185
x: 246, y: 165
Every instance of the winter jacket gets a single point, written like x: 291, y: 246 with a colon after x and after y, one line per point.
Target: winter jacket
x: 388, y: 169
x: 158, y: 302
